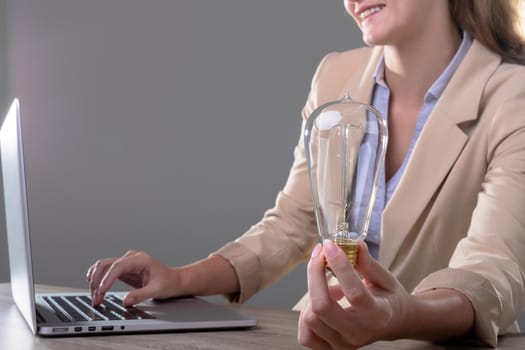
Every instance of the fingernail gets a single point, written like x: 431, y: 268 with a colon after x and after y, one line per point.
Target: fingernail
x: 317, y: 250
x: 330, y: 247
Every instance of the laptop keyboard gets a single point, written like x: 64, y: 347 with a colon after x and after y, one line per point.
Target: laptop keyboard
x: 79, y: 308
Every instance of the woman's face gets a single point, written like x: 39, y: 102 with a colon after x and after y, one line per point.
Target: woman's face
x: 390, y: 22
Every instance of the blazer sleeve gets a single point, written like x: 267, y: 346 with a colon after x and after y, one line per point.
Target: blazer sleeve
x: 488, y: 265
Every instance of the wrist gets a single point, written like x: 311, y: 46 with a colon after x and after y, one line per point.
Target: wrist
x: 405, y: 322
x: 438, y: 314
x: 212, y: 275
x: 175, y: 281
x: 185, y: 280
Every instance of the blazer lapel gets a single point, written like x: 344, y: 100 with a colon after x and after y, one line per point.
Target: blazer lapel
x: 439, y: 145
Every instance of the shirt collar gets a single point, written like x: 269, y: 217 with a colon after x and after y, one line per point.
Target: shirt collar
x: 379, y: 73
x: 439, y: 85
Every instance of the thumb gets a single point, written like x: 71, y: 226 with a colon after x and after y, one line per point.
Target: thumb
x: 137, y: 296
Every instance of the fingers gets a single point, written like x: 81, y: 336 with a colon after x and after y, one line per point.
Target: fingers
x: 355, y: 292
x: 137, y: 263
x: 322, y: 302
x: 138, y: 295
x: 372, y: 271
x: 336, y: 293
x: 307, y: 336
x: 104, y: 272
x: 372, y: 300
x: 323, y: 321
x: 318, y: 290
x: 97, y: 271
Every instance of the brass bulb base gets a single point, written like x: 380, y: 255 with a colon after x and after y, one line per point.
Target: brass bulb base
x: 350, y: 247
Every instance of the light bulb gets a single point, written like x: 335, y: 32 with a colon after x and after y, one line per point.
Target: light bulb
x: 345, y: 144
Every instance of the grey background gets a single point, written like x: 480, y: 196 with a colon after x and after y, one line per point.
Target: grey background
x: 4, y: 268
x: 166, y: 126
x: 3, y: 58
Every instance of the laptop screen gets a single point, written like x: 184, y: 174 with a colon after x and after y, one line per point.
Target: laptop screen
x: 17, y: 224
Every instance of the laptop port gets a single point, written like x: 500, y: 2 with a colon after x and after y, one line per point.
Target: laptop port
x: 92, y: 328
x: 107, y: 328
x: 60, y: 330
x: 78, y: 329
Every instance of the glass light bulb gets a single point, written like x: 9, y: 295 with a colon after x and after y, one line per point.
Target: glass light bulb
x: 345, y: 143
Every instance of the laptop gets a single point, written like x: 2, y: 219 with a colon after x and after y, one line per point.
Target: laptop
x: 63, y: 314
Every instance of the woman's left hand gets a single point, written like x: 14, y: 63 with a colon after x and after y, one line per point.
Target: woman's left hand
x: 378, y: 309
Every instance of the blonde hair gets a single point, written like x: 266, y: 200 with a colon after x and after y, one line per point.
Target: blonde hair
x: 497, y: 24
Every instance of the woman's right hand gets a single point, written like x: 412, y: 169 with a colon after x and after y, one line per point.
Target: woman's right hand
x: 149, y: 277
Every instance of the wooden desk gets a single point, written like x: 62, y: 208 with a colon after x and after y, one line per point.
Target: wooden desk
x: 277, y: 329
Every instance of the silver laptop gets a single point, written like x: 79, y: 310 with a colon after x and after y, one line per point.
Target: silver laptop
x: 71, y: 313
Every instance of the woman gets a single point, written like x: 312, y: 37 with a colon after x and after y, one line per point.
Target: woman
x: 447, y: 76
x: 468, y: 162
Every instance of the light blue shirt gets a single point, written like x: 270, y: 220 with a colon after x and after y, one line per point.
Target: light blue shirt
x: 380, y: 101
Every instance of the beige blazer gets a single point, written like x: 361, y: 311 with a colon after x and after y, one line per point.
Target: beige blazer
x: 457, y: 218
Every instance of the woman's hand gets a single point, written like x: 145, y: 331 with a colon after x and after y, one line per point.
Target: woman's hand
x: 149, y: 277
x: 378, y: 302
x: 152, y: 279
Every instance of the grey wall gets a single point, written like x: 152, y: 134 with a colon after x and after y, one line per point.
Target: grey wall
x: 4, y: 268
x: 166, y: 126
x: 3, y: 57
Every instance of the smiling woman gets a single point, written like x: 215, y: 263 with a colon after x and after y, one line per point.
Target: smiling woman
x: 450, y: 235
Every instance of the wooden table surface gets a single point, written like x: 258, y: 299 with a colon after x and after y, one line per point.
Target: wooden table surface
x: 277, y: 329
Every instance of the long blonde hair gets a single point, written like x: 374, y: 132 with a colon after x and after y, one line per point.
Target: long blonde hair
x: 497, y: 24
